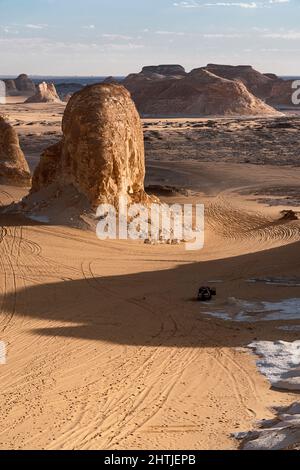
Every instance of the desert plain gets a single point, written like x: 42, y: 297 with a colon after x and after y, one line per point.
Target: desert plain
x: 106, y: 346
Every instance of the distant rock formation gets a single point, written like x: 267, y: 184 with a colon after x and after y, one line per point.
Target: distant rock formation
x: 281, y: 94
x: 13, y: 166
x: 111, y: 80
x: 273, y: 76
x: 268, y: 86
x: 25, y: 84
x: 64, y: 89
x: 46, y: 93
x: 102, y: 150
x: 22, y: 85
x: 11, y: 88
x: 198, y: 93
x: 2, y: 92
x: 257, y: 83
x: 166, y: 70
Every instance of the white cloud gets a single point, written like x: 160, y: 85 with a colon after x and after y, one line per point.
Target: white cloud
x: 36, y: 26
x: 9, y: 29
x: 244, y: 5
x: 116, y: 36
x: 287, y: 35
x: 170, y: 33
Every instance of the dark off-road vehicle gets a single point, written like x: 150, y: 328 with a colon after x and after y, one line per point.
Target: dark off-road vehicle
x: 206, y: 293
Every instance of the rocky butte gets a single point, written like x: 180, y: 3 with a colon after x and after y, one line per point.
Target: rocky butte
x: 13, y: 166
x: 101, y: 154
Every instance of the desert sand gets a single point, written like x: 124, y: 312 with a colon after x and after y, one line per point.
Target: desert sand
x: 107, y: 348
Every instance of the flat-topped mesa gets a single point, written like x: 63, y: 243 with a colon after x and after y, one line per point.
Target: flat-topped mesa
x: 102, y: 150
x: 24, y: 84
x: 256, y: 82
x: 45, y: 93
x: 167, y: 70
x: 13, y: 165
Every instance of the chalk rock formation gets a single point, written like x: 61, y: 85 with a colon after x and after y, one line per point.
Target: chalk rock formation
x: 24, y: 84
x: 13, y: 166
x: 198, y: 93
x: 102, y: 150
x: 257, y: 83
x: 46, y: 93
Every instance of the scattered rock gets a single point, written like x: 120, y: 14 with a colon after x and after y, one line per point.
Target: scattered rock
x: 289, y: 215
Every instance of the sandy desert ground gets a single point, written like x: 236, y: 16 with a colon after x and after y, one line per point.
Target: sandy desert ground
x: 107, y: 348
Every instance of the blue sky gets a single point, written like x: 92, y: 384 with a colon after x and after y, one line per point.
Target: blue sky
x: 115, y: 37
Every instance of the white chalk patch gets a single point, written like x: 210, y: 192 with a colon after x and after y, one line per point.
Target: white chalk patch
x: 280, y: 362
x: 277, y: 281
x: 244, y: 311
x: 280, y: 433
x: 289, y: 328
x: 2, y: 353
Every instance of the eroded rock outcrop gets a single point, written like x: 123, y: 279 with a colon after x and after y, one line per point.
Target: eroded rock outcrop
x: 11, y: 89
x: 102, y: 150
x: 281, y: 94
x: 13, y: 166
x: 198, y: 93
x: 257, y: 83
x: 45, y: 93
x: 24, y: 84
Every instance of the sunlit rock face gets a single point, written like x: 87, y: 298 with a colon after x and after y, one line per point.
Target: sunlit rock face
x: 102, y: 150
x: 45, y: 93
